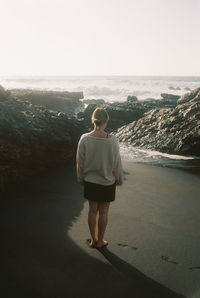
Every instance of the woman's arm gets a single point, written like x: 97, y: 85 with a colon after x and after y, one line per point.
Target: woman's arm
x: 80, y: 161
x: 117, y: 170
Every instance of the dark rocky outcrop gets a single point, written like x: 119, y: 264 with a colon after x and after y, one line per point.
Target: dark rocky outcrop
x: 4, y: 94
x: 132, y: 99
x: 169, y: 100
x: 122, y: 113
x: 62, y: 101
x: 165, y: 102
x: 171, y: 130
x: 170, y: 97
x: 189, y: 97
x: 33, y: 138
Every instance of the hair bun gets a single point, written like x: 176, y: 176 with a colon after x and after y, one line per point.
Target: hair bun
x: 99, y: 116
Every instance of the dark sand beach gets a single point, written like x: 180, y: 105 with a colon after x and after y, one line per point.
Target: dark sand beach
x: 153, y: 235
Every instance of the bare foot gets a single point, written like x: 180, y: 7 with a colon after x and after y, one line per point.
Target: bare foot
x: 91, y: 243
x: 101, y: 243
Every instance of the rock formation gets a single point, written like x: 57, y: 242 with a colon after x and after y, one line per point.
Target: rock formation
x: 33, y: 138
x: 61, y: 101
x: 4, y: 94
x: 171, y: 130
x: 122, y: 113
x: 170, y: 97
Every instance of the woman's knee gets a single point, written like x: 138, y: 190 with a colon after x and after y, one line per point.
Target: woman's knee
x: 103, y: 208
x: 93, y: 207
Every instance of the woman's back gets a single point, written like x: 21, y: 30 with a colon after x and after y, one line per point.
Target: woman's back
x: 100, y: 159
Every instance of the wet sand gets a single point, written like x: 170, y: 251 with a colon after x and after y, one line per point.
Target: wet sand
x: 153, y: 235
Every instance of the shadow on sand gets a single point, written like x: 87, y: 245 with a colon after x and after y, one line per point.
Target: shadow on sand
x: 142, y: 286
x: 38, y: 259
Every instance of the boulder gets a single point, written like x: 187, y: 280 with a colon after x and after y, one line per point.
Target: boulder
x: 170, y: 97
x: 132, y: 99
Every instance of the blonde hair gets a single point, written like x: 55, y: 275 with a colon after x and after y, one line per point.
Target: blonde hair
x: 99, y: 116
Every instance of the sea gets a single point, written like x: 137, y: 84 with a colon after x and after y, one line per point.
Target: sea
x: 117, y: 88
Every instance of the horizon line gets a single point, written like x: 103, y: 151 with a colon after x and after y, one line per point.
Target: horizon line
x: 120, y: 75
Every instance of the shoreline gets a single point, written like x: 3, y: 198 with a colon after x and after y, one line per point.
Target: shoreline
x: 194, y: 170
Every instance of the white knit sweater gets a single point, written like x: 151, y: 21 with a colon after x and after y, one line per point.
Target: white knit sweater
x: 99, y: 160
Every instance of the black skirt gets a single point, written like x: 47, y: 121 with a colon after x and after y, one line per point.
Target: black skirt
x: 99, y: 193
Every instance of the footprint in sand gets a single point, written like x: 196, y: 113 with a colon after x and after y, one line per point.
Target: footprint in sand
x: 167, y: 259
x: 193, y: 268
x: 133, y: 247
x: 122, y: 244
x: 126, y: 245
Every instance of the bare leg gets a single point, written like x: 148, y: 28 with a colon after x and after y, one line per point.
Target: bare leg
x: 102, y: 223
x: 92, y: 219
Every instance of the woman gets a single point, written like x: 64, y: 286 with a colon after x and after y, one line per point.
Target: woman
x: 99, y: 169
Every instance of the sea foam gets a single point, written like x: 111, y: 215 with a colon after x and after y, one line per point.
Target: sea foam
x: 109, y: 88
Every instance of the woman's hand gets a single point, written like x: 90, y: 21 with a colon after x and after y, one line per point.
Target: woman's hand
x: 118, y: 183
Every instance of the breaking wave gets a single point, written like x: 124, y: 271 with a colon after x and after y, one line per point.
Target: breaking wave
x: 109, y: 88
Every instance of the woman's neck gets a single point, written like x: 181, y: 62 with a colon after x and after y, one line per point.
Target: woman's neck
x: 99, y: 129
x: 99, y: 132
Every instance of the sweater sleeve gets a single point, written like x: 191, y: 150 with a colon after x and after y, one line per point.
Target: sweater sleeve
x: 80, y: 155
x: 117, y: 170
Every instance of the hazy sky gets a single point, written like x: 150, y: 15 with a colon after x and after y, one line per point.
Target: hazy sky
x: 100, y: 37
